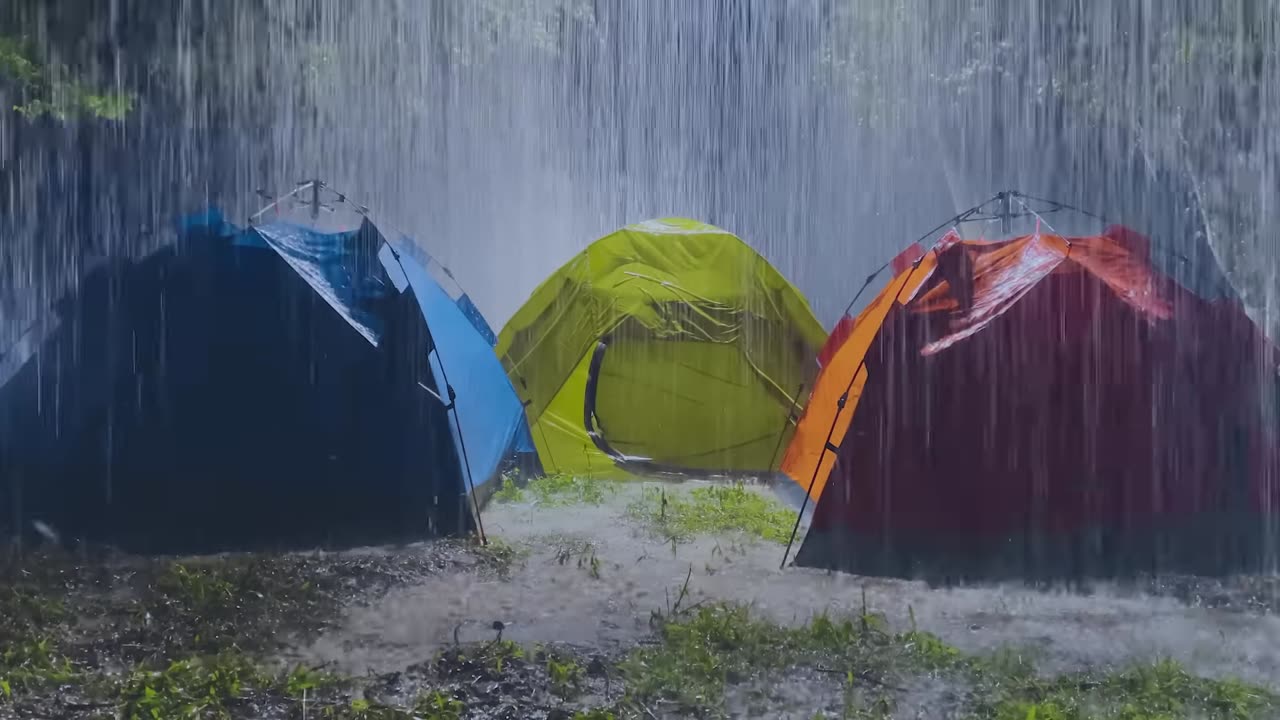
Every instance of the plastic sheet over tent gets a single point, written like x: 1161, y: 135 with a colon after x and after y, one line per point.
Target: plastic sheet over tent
x: 271, y: 387
x: 1038, y: 407
x: 667, y: 345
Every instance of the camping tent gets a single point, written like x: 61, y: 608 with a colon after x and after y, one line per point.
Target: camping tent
x: 667, y: 345
x: 493, y: 428
x: 277, y: 386
x: 1044, y: 406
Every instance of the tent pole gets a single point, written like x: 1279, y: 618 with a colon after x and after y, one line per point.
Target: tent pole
x: 783, y: 432
x: 451, y: 407
x: 958, y: 218
x: 827, y: 446
x: 274, y: 203
x: 541, y: 431
x: 315, y: 199
x: 462, y: 444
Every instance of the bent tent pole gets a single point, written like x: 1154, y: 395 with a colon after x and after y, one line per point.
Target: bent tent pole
x: 840, y: 404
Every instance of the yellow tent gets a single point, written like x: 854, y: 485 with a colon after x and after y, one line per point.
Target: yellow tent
x: 669, y: 344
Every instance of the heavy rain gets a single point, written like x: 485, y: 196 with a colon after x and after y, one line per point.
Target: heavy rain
x: 604, y: 359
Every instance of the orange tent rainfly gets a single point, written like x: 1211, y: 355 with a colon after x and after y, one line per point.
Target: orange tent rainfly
x: 1040, y: 406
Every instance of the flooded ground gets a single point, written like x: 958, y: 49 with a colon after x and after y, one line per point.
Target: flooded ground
x: 594, y: 576
x: 549, y: 599
x: 603, y: 600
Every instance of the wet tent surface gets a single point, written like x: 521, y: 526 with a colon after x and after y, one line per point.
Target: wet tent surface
x: 1045, y: 407
x: 210, y: 399
x: 489, y: 425
x: 666, y: 344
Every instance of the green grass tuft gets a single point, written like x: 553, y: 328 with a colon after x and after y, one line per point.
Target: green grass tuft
x: 500, y: 556
x: 679, y: 516
x: 30, y: 657
x: 1160, y: 691
x: 556, y: 490
x: 704, y: 652
x: 303, y: 681
x: 210, y: 606
x: 192, y: 688
x: 508, y: 491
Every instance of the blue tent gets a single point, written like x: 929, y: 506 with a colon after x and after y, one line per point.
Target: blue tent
x: 490, y: 373
x: 491, y: 421
x: 274, y: 386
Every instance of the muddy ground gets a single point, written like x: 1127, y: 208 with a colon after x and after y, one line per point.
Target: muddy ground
x: 590, y: 596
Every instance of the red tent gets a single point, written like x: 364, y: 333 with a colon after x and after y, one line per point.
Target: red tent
x: 1044, y: 405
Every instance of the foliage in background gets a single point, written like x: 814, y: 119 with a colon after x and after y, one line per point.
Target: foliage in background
x: 53, y: 90
x: 1184, y: 84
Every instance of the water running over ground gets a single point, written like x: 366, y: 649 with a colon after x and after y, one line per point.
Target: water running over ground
x: 554, y: 596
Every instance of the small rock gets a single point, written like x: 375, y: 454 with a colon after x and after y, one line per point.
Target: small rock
x: 596, y: 667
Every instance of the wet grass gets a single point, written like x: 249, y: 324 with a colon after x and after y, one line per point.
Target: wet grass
x: 709, y: 650
x: 1144, y: 692
x: 708, y: 656
x: 711, y: 510
x: 193, y: 639
x: 500, y: 556
x: 139, y: 638
x: 556, y: 490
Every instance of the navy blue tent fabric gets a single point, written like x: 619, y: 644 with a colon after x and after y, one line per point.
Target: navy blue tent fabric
x: 211, y: 396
